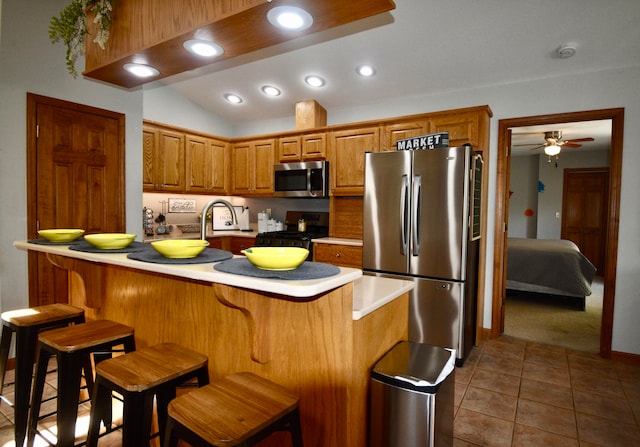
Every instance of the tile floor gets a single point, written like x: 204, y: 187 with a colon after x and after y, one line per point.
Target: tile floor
x: 512, y: 393
x: 509, y: 393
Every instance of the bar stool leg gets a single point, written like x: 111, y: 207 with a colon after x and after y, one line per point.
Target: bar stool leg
x: 25, y: 348
x: 5, y: 344
x: 137, y: 429
x: 69, y: 377
x: 38, y: 389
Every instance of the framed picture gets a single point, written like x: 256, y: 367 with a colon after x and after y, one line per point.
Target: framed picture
x: 182, y: 205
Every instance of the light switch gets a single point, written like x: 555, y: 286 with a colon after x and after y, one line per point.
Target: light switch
x: 557, y: 214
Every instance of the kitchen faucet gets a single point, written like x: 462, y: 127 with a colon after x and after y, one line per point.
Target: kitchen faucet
x: 203, y: 221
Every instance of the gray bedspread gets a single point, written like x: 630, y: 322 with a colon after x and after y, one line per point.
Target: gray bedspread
x: 548, y: 265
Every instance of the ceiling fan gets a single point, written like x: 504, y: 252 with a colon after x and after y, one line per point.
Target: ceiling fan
x: 553, y: 143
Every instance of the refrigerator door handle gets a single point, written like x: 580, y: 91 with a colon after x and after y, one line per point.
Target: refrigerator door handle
x: 404, y: 211
x: 415, y: 209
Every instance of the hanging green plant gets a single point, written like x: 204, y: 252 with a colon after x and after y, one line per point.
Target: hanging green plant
x: 70, y: 27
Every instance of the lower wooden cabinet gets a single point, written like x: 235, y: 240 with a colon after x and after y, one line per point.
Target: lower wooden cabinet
x: 234, y: 244
x: 241, y: 243
x: 343, y: 255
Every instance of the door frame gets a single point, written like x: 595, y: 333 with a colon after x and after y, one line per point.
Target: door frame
x: 616, y: 115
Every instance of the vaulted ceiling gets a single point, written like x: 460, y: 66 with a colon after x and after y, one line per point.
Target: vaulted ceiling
x: 421, y: 47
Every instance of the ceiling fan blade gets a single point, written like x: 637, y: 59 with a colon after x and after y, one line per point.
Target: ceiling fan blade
x: 533, y: 149
x: 578, y: 140
x: 571, y: 145
x: 526, y: 144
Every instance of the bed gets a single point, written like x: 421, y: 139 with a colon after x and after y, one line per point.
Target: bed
x: 548, y: 266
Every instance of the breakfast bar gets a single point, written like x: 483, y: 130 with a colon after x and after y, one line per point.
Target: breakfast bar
x: 318, y: 337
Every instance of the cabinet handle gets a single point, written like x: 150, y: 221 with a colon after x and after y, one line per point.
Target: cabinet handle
x: 337, y: 255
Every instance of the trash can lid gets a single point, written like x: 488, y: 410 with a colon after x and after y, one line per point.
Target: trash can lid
x: 415, y: 366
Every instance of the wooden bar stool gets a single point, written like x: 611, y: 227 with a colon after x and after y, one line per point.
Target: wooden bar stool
x: 72, y: 346
x: 238, y: 410
x: 138, y: 377
x: 26, y: 324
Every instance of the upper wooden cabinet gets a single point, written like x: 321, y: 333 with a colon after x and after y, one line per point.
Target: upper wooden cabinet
x: 462, y: 127
x: 163, y: 159
x: 391, y: 133
x: 302, y: 147
x: 207, y: 165
x: 252, y: 163
x: 346, y: 155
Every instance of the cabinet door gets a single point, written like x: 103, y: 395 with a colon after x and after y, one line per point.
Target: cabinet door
x: 220, y: 180
x: 253, y: 167
x: 462, y: 128
x: 171, y: 160
x: 314, y: 146
x: 289, y: 149
x: 163, y: 159
x: 199, y: 161
x: 241, y: 243
x: 149, y: 158
x: 346, y: 155
x: 263, y: 161
x: 391, y: 133
x: 242, y: 172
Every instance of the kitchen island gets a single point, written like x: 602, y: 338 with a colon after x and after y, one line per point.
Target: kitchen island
x: 318, y: 337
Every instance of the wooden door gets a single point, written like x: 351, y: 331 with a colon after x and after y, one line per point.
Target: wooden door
x: 584, y: 211
x: 75, y: 180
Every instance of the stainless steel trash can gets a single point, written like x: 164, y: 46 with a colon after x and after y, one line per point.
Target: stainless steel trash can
x: 412, y: 397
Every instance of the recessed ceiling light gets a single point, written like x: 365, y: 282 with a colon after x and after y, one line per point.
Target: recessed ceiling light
x: 232, y: 98
x: 314, y: 81
x: 290, y: 18
x: 203, y: 48
x: 366, y: 70
x: 141, y: 70
x: 270, y: 90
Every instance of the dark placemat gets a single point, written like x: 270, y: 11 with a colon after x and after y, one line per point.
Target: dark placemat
x: 208, y: 255
x: 308, y: 270
x: 46, y: 242
x: 85, y: 246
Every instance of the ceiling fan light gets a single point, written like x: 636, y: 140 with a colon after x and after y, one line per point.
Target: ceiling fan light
x: 552, y: 150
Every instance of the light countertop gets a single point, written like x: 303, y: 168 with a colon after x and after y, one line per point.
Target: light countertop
x: 338, y: 241
x: 370, y: 293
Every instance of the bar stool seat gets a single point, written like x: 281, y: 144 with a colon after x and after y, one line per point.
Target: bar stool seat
x: 26, y: 324
x: 238, y: 410
x: 138, y: 377
x: 72, y: 346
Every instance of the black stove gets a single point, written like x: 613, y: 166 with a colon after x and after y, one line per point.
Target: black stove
x: 317, y: 226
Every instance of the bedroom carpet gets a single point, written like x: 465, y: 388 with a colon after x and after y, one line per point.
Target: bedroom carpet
x: 555, y: 321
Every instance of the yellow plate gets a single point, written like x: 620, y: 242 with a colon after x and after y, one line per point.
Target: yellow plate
x: 61, y: 234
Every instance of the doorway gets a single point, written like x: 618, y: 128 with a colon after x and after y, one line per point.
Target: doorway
x: 75, y: 179
x: 613, y: 208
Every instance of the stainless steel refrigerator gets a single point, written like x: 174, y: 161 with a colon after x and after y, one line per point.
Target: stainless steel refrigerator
x: 422, y: 222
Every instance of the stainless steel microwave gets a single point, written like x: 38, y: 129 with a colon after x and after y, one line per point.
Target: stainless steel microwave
x: 305, y: 179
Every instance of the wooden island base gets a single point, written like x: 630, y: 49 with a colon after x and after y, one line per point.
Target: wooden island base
x: 312, y: 346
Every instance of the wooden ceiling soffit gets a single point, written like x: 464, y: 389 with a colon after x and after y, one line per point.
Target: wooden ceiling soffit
x: 152, y: 32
